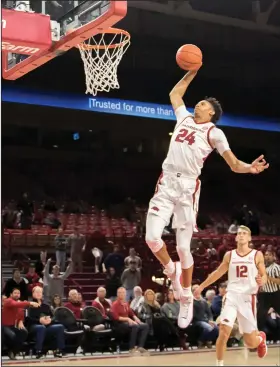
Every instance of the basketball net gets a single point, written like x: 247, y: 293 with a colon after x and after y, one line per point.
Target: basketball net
x: 101, y: 55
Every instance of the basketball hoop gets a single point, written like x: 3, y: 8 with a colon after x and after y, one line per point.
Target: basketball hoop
x: 101, y: 55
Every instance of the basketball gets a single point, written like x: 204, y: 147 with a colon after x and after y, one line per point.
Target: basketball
x: 189, y: 57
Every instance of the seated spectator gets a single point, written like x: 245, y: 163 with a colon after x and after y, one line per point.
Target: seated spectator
x: 211, y: 251
x: 115, y: 260
x: 80, y: 300
x: 32, y: 277
x: 14, y: 333
x: 272, y: 325
x: 130, y: 278
x: 16, y: 282
x: 216, y: 306
x: 112, y: 284
x: 102, y: 303
x: 233, y: 228
x: 209, y: 296
x: 56, y: 302
x: 41, y: 325
x: 73, y: 303
x: 203, y: 319
x: 171, y: 307
x: 138, y: 299
x: 60, y: 243
x: 133, y: 258
x: 55, y: 281
x: 128, y: 322
x: 160, y: 298
x: 52, y: 221
x: 222, y: 249
x: 159, y: 325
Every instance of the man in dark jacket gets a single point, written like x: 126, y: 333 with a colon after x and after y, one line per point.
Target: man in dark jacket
x: 42, y: 326
x: 203, y: 319
x: 16, y: 282
x: 60, y: 243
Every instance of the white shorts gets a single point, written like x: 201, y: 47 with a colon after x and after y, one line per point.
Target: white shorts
x: 179, y: 195
x: 243, y: 307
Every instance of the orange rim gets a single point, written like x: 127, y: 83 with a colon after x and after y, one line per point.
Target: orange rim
x: 115, y: 31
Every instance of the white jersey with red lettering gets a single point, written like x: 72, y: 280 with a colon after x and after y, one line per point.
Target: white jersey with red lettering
x: 242, y: 273
x: 178, y: 188
x: 240, y: 300
x: 191, y: 143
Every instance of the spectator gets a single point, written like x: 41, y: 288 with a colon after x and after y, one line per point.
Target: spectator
x: 52, y: 221
x: 203, y: 319
x: 263, y: 248
x: 9, y: 217
x: 233, y: 228
x: 216, y: 306
x: 222, y: 249
x: 112, y: 284
x: 41, y: 326
x: 160, y: 298
x: 211, y: 251
x: 130, y: 278
x: 41, y: 263
x: 73, y: 303
x: 13, y: 330
x: 269, y: 295
x: 32, y: 277
x: 170, y: 308
x: 210, y: 294
x: 25, y: 206
x: 102, y: 303
x: 77, y: 243
x: 128, y: 322
x: 81, y: 300
x: 56, y: 302
x: 133, y: 258
x: 137, y: 300
x: 115, y: 260
x: 55, y: 281
x: 16, y: 282
x: 98, y: 255
x: 272, y: 325
x: 60, y: 243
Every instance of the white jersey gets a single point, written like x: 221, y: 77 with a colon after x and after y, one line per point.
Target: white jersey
x: 242, y: 273
x: 191, y: 143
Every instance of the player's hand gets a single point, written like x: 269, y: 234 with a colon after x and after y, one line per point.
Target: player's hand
x: 259, y: 280
x: 197, y: 292
x: 259, y: 165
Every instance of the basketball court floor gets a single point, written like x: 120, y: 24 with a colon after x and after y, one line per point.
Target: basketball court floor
x: 234, y: 357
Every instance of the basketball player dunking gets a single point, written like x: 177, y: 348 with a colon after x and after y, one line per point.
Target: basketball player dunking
x: 246, y: 272
x: 178, y: 187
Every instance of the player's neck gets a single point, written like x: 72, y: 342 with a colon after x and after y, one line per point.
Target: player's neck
x: 243, y: 249
x: 200, y: 120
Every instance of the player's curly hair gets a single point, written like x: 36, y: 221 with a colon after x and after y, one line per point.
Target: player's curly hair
x: 217, y: 108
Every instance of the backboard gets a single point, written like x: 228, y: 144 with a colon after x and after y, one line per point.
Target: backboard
x: 34, y: 32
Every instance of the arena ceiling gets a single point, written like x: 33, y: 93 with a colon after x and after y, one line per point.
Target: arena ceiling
x: 240, y: 40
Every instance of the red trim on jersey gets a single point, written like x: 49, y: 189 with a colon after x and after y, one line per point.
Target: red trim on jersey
x: 253, y: 300
x: 158, y: 182
x: 201, y: 123
x: 243, y: 255
x: 208, y: 137
x: 230, y: 255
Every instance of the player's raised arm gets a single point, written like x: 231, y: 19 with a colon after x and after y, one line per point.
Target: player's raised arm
x: 217, y: 274
x: 177, y: 93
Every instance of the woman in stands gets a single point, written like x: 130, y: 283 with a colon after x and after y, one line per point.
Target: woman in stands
x: 56, y: 302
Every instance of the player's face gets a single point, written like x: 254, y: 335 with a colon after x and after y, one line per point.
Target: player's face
x: 243, y: 237
x: 204, y: 110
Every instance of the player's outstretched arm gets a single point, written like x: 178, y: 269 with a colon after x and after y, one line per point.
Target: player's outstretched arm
x: 217, y: 274
x: 177, y: 93
x: 237, y: 166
